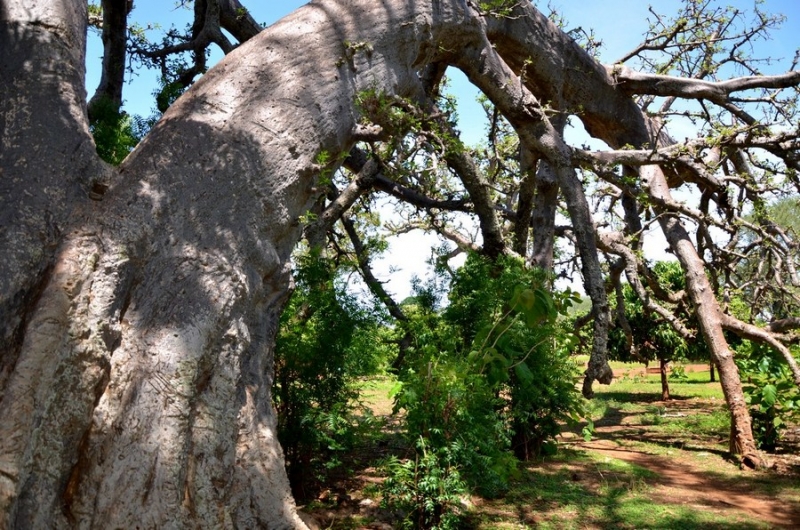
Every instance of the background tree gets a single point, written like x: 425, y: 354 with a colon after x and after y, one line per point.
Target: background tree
x: 642, y: 336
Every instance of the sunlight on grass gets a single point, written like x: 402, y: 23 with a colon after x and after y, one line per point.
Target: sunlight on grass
x: 715, y: 423
x: 631, y: 388
x: 376, y: 392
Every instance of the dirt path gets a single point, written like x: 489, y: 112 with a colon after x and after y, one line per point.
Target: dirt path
x: 696, y: 475
x: 681, y: 482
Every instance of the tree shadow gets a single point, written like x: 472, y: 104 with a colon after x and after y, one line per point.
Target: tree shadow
x: 638, y: 397
x: 563, y: 494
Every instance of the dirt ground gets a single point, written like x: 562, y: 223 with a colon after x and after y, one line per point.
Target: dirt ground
x: 685, y: 484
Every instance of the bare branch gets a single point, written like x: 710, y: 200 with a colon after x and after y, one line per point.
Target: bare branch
x: 763, y: 336
x: 633, y: 82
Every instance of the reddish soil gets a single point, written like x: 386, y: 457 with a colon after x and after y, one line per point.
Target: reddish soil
x: 682, y: 483
x: 639, y: 369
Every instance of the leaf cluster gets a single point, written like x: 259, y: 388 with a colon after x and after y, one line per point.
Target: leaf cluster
x: 490, y: 371
x: 427, y: 488
x: 772, y: 395
x: 115, y: 133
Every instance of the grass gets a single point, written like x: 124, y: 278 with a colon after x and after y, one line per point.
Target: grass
x: 696, y: 385
x: 714, y: 423
x: 586, y: 490
x: 377, y: 392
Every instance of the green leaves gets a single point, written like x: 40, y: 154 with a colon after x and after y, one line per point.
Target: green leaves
x: 428, y: 487
x: 115, y: 133
x: 524, y: 373
x: 588, y: 431
x: 326, y: 341
x: 535, y: 304
x: 769, y: 394
x: 498, y: 8
x: 489, y: 373
x: 773, y: 397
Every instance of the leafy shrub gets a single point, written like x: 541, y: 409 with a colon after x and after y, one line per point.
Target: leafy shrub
x: 489, y: 373
x: 770, y: 391
x: 327, y: 340
x: 449, y: 406
x: 519, y: 344
x: 115, y: 133
x: 427, y: 489
x: 678, y: 372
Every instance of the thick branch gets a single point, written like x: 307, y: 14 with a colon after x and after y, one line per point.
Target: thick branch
x: 633, y: 82
x: 477, y: 187
x: 527, y: 191
x: 237, y: 20
x: 615, y: 274
x: 366, y: 271
x: 367, y: 172
x: 417, y: 199
x: 491, y: 74
x: 115, y: 34
x: 545, y: 206
x: 749, y: 331
x: 615, y: 244
x: 358, y: 158
x: 783, y: 325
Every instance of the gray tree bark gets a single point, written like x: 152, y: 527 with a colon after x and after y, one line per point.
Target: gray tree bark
x: 139, y: 392
x: 48, y: 163
x: 115, y: 34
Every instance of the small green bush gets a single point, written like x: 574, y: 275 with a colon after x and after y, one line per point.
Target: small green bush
x: 489, y: 377
x: 327, y: 340
x: 678, y: 373
x: 773, y: 397
x: 426, y: 490
x: 115, y: 133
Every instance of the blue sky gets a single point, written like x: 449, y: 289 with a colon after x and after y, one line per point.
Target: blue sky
x: 618, y: 23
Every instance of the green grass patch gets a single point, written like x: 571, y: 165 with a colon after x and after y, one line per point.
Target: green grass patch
x: 648, y: 388
x: 716, y: 423
x: 376, y: 393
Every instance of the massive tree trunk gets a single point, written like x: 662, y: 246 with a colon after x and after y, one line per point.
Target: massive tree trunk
x: 138, y: 357
x: 47, y: 158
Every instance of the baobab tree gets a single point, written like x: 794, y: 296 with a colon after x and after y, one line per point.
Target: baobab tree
x: 139, y: 304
